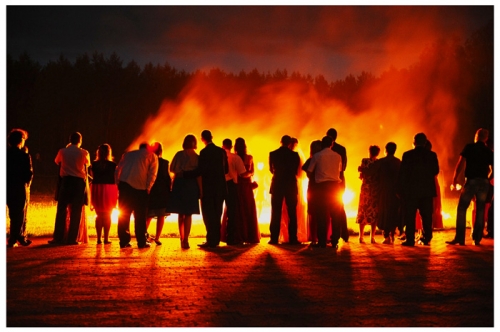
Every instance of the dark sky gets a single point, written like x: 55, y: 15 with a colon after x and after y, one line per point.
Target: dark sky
x: 331, y: 40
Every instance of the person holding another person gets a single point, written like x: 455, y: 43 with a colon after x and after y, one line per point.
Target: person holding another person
x: 326, y: 166
x: 104, y: 196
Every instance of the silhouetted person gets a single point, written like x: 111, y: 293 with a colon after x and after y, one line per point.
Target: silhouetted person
x: 19, y: 176
x: 135, y: 176
x: 368, y: 197
x: 230, y: 233
x: 73, y: 162
x: 312, y: 193
x: 186, y: 192
x: 248, y: 224
x: 284, y: 164
x: 212, y: 166
x: 104, y: 190
x: 160, y: 193
x: 477, y: 159
x: 326, y: 166
x: 417, y: 188
x: 389, y: 207
x: 341, y: 150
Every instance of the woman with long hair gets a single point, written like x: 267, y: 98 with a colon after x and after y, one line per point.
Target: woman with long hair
x: 104, y: 190
x: 248, y: 227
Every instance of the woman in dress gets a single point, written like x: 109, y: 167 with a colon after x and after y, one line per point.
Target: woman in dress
x: 311, y: 199
x: 159, y: 194
x: 368, y: 209
x: 104, y: 195
x: 247, y: 210
x: 184, y: 199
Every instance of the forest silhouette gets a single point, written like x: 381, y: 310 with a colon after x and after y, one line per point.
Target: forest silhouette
x: 109, y: 101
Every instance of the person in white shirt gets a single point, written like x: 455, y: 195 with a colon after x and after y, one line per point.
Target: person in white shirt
x: 327, y: 166
x: 73, y: 162
x: 235, y: 168
x: 135, y: 176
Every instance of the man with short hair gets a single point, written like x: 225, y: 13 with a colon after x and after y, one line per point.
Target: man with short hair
x: 212, y: 167
x: 417, y: 188
x: 341, y: 150
x: 19, y: 176
x: 477, y: 159
x: 73, y: 163
x: 235, y: 168
x: 326, y: 166
x: 284, y: 165
x: 135, y: 175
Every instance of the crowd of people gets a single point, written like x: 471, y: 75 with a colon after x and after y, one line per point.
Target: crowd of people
x: 395, y: 194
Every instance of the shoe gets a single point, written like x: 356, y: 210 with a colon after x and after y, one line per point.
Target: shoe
x: 361, y: 240
x: 272, y: 242
x: 206, y: 245
x: 408, y: 244
x: 345, y: 239
x: 11, y: 245
x: 158, y: 243
x: 99, y: 242
x: 453, y: 242
x: 387, y: 240
x: 53, y: 242
x: 128, y: 245
x: 145, y: 245
x: 423, y: 242
x: 477, y: 243
x: 25, y: 243
x: 234, y: 243
x: 107, y: 242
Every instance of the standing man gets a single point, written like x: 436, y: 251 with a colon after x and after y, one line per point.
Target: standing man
x: 73, y: 163
x: 135, y: 176
x: 344, y: 232
x: 477, y: 159
x: 417, y: 188
x: 284, y: 165
x: 212, y: 167
x: 326, y: 166
x: 19, y: 176
x: 235, y: 168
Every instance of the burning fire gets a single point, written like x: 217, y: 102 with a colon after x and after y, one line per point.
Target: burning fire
x: 264, y: 115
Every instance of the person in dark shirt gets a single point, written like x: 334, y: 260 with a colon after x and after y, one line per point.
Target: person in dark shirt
x: 477, y: 159
x: 19, y: 176
x: 104, y: 190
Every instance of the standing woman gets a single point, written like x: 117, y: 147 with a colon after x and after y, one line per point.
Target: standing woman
x: 159, y: 194
x: 368, y: 209
x: 104, y: 190
x: 247, y: 210
x: 185, y: 192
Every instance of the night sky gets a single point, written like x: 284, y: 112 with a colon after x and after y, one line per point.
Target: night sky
x: 334, y: 41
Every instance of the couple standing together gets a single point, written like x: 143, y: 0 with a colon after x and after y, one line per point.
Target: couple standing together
x: 326, y: 168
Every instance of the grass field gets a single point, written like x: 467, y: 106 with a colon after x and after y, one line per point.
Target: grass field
x: 42, y: 211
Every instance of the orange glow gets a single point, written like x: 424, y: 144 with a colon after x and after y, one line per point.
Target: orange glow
x: 114, y: 216
x: 392, y: 112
